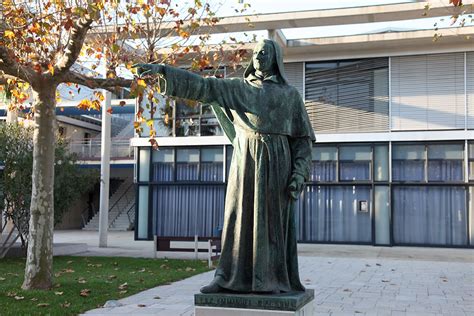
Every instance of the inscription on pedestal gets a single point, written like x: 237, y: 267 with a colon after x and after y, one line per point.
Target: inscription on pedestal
x: 285, y: 302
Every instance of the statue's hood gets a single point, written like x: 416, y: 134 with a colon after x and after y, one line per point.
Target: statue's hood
x: 279, y: 60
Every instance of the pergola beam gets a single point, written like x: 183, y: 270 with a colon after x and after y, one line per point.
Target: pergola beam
x: 326, y: 17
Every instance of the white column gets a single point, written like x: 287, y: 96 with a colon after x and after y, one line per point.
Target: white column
x: 105, y: 170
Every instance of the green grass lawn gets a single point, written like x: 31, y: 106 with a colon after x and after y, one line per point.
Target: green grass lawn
x: 84, y: 283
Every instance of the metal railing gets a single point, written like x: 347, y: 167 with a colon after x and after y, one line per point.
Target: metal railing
x: 131, y: 220
x: 124, y: 196
x: 90, y: 149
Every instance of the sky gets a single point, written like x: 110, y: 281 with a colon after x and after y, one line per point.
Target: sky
x: 226, y: 8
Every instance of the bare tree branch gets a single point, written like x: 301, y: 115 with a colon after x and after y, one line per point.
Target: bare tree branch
x: 10, y: 67
x: 4, y: 78
x: 74, y: 46
x: 96, y: 83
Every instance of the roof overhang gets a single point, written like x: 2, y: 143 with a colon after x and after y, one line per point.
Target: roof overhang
x: 325, y: 17
x: 370, y: 45
x: 384, y: 44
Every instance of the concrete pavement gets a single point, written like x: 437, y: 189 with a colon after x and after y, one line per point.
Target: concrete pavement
x: 348, y: 280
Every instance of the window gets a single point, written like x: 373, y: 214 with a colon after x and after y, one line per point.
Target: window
x: 381, y: 163
x: 408, y: 163
x: 471, y: 161
x: 163, y: 165
x: 324, y: 166
x: 212, y: 160
x: 428, y: 163
x: 187, y: 164
x: 445, y: 162
x: 347, y: 96
x: 354, y: 163
x: 433, y: 215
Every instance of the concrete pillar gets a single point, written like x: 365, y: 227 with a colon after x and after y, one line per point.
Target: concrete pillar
x: 105, y: 169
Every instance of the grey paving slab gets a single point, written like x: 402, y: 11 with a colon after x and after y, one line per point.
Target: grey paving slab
x: 348, y: 280
x: 340, y: 289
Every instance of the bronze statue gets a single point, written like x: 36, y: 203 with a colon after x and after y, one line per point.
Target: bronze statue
x: 266, y: 121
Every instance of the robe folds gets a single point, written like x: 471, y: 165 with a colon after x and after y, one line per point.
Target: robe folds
x: 271, y: 135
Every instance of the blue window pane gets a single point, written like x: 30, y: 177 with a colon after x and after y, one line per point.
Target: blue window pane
x: 445, y: 170
x: 324, y: 171
x: 212, y: 171
x: 429, y: 215
x: 187, y: 155
x: 330, y: 213
x: 187, y: 171
x: 212, y: 154
x: 163, y: 171
x: 408, y: 170
x: 354, y: 170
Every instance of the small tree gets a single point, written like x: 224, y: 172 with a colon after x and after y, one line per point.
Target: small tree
x: 40, y: 42
x: 16, y: 155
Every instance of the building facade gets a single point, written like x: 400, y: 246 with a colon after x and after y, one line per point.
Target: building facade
x: 393, y: 163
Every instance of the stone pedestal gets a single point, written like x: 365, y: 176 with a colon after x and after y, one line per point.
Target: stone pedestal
x: 227, y: 304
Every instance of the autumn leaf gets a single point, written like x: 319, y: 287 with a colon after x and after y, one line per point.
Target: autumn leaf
x: 456, y: 3
x: 58, y: 293
x: 85, y: 104
x: 65, y: 304
x: 85, y: 292
x: 42, y: 305
x: 82, y: 280
x: 51, y: 69
x: 154, y: 144
x: 19, y: 298
x: 9, y: 34
x: 123, y: 286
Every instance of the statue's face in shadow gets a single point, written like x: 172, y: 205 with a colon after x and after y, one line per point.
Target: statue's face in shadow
x: 264, y: 57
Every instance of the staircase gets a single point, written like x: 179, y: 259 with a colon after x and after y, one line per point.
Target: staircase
x: 121, y: 209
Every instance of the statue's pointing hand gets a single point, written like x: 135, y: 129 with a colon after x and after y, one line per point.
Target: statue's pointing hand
x: 149, y: 69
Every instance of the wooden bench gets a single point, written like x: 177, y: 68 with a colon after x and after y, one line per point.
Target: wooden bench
x: 211, y: 245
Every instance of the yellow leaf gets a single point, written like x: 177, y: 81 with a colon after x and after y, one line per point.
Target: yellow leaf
x: 141, y: 83
x: 9, y: 34
x: 99, y: 95
x: 51, y: 69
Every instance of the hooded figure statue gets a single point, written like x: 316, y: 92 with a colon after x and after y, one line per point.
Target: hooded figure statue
x: 266, y: 121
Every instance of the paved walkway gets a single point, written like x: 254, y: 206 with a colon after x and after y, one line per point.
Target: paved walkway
x: 348, y: 280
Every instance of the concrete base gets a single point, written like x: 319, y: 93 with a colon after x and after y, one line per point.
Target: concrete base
x: 306, y: 310
x: 228, y: 304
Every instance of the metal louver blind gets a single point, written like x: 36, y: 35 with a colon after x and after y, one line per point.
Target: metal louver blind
x: 470, y: 89
x: 294, y: 74
x: 348, y: 96
x: 428, y: 92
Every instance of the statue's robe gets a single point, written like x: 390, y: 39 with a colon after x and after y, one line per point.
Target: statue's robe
x: 271, y: 134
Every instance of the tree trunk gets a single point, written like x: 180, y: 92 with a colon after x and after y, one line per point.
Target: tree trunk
x: 39, y: 261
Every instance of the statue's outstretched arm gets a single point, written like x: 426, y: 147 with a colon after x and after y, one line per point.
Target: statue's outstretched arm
x: 185, y: 84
